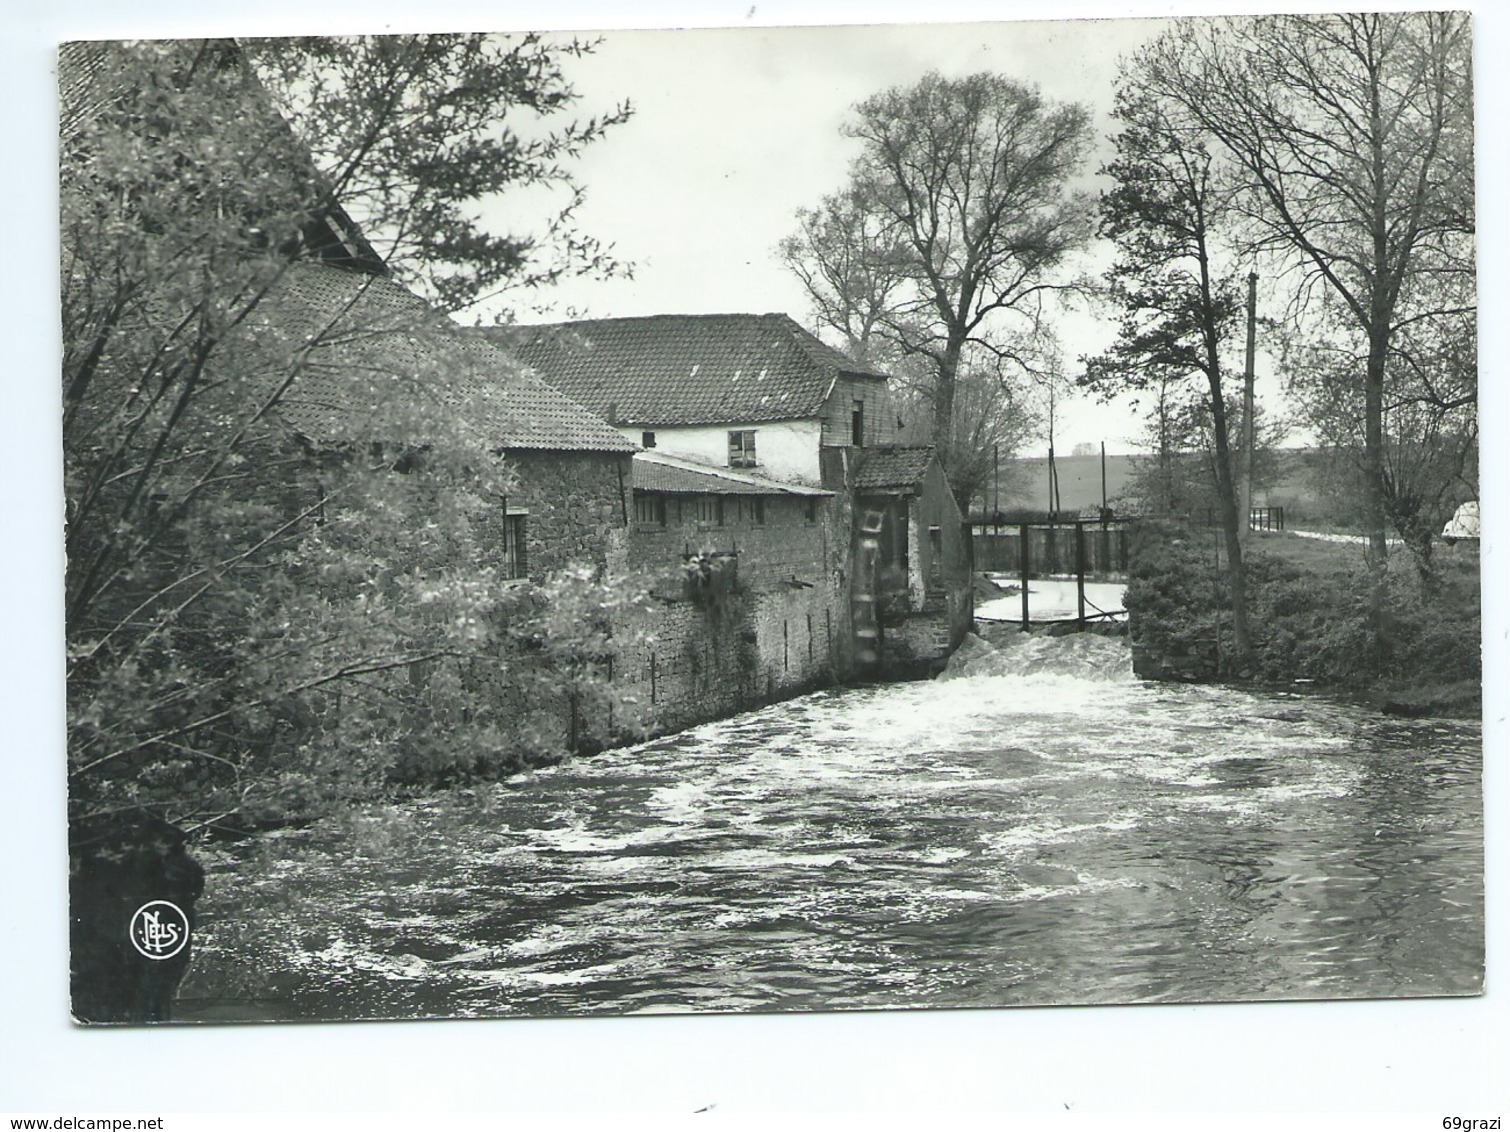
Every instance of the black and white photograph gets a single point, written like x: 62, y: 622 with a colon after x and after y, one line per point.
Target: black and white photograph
x: 574, y: 524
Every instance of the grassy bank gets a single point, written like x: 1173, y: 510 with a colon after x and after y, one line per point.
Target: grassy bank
x: 1311, y: 620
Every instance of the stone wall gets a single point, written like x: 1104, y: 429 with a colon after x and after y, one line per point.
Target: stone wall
x: 702, y: 662
x: 917, y: 644
x: 795, y: 539
x: 780, y: 630
x: 578, y: 507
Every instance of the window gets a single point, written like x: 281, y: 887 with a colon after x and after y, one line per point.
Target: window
x: 515, y: 560
x: 647, y: 440
x: 742, y: 449
x: 710, y: 510
x: 649, y: 510
x: 857, y: 424
x: 811, y: 509
x: 756, y: 510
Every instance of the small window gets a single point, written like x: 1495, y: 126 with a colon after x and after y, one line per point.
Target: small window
x: 515, y: 560
x: 647, y: 440
x: 649, y: 510
x: 756, y: 510
x: 810, y: 509
x: 857, y: 424
x: 742, y: 449
x: 710, y: 510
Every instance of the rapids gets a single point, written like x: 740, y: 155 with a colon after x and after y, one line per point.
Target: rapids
x: 1037, y: 828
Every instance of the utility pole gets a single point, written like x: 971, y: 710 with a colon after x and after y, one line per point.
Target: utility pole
x: 1103, y: 480
x: 995, y: 501
x: 1245, y: 518
x: 1053, y: 474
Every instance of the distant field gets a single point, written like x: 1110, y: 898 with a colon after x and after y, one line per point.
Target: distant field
x: 1321, y: 555
x: 1310, y: 553
x: 1025, y: 481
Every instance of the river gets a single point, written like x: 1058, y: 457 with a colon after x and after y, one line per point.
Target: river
x: 1047, y: 831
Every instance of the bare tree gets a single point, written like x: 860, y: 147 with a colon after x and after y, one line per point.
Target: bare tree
x: 853, y: 272
x: 1353, y: 133
x: 957, y: 220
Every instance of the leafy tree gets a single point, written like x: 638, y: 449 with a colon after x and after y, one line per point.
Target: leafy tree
x: 282, y: 584
x: 958, y: 219
x: 411, y: 133
x: 1165, y: 215
x: 1354, y: 137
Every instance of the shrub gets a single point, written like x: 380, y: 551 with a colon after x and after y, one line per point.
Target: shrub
x: 1310, y: 624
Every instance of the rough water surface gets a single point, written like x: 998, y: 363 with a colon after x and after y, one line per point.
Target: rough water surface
x: 1051, y: 832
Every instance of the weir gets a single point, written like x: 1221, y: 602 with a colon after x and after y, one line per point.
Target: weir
x: 1089, y: 556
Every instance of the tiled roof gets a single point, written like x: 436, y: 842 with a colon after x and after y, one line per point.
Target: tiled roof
x: 892, y: 467
x: 668, y: 370
x: 376, y: 348
x: 81, y: 90
x: 655, y: 471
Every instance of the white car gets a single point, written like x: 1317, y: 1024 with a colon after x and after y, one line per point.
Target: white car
x: 1463, y: 525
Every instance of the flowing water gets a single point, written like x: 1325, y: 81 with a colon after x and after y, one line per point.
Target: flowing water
x: 1047, y: 831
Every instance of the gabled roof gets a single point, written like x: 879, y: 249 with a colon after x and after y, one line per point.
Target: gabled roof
x: 658, y: 472
x: 668, y: 370
x: 892, y: 467
x: 376, y: 348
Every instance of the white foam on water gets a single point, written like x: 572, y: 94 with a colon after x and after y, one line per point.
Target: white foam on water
x: 1049, y: 831
x: 941, y: 856
x: 578, y: 838
x: 774, y: 858
x: 681, y: 803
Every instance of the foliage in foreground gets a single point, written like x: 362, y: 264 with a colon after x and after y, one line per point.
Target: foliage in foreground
x: 283, y: 587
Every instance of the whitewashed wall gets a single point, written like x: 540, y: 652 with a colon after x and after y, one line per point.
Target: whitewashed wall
x: 785, y: 450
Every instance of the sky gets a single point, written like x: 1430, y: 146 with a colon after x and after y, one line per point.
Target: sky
x: 734, y: 130
x: 1432, y: 1057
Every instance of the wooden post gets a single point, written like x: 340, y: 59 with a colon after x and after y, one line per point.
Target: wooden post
x: 996, y: 507
x: 1023, y: 557
x: 1080, y: 571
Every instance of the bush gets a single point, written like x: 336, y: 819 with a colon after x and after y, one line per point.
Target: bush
x: 1307, y: 624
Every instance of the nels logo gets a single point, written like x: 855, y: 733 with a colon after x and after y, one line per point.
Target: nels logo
x: 159, y: 929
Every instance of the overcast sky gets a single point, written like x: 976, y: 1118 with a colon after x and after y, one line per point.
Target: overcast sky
x: 735, y: 130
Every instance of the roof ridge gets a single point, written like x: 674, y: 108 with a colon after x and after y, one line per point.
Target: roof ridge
x: 811, y: 345
x: 658, y: 316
